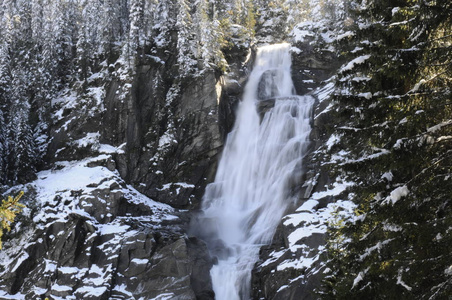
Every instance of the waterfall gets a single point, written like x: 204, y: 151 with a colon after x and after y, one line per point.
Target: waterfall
x: 258, y: 173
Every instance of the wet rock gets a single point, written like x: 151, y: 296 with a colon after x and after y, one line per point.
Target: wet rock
x: 263, y: 106
x: 267, y: 87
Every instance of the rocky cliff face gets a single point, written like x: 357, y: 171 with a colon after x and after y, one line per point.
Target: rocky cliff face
x: 130, y: 153
x: 91, y: 230
x: 88, y: 233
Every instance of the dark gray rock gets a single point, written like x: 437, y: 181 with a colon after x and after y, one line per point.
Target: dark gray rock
x: 263, y: 106
x: 171, y: 133
x: 267, y: 87
x: 313, y: 65
x: 80, y: 255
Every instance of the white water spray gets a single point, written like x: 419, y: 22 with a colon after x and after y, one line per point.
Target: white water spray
x: 259, y: 169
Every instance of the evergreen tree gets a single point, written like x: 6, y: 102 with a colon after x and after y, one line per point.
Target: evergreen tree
x: 5, y: 76
x: 165, y: 23
x: 88, y: 39
x: 186, y: 44
x: 133, y: 40
x: 393, y: 101
x: 3, y: 148
x: 209, y: 37
x: 21, y: 153
x: 110, y: 28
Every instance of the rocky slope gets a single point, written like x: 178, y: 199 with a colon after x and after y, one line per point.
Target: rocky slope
x: 90, y: 235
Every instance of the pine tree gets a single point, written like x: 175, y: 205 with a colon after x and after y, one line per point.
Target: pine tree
x: 88, y: 39
x: 393, y: 101
x: 209, y: 37
x: 186, y: 48
x: 165, y: 22
x: 133, y: 40
x: 111, y: 30
x: 21, y: 155
x: 5, y: 89
x: 3, y: 148
x: 5, y: 75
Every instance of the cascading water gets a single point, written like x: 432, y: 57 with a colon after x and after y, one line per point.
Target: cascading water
x: 257, y: 174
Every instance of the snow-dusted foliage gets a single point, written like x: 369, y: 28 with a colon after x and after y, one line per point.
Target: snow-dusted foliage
x: 390, y: 99
x: 47, y: 46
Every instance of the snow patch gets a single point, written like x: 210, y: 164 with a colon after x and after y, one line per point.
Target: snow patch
x: 107, y: 149
x: 397, y: 194
x: 369, y: 250
x: 312, y: 221
x: 333, y: 140
x: 417, y: 86
x: 346, y: 34
x: 357, y: 61
x: 401, y: 282
x: 274, y: 256
x: 325, y: 92
x: 388, y: 176
x: 165, y: 296
x: 297, y: 264
x: 395, y: 10
x: 18, y: 296
x: 299, y: 35
x: 309, y: 205
x: 68, y: 270
x: 139, y: 261
x: 368, y: 95
x: 23, y: 256
x: 178, y: 186
x: 358, y: 279
x: 113, y: 228
x: 91, y: 138
x: 90, y: 291
x: 61, y: 288
x: 448, y: 271
x: 439, y: 126
x: 295, y: 50
x: 360, y: 78
x: 338, y: 188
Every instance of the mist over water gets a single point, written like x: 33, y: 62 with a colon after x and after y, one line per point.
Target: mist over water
x: 254, y: 184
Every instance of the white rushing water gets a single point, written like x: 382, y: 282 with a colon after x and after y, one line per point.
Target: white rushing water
x: 259, y: 170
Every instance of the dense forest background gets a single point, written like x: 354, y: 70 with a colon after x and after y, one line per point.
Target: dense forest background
x: 389, y: 130
x: 49, y: 46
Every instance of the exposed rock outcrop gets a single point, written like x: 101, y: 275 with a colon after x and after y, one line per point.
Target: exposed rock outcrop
x: 98, y: 238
